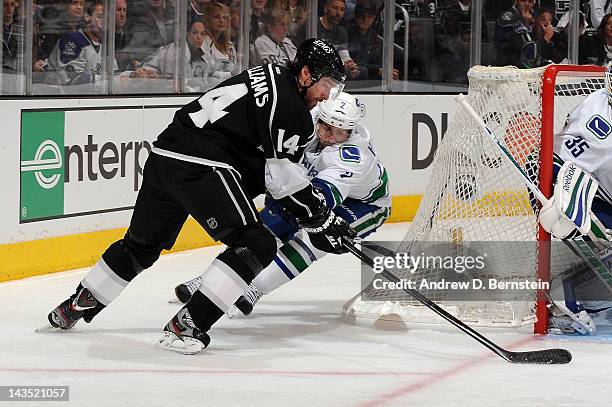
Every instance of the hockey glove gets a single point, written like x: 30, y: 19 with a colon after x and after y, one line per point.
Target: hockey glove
x: 568, y: 213
x: 327, y: 230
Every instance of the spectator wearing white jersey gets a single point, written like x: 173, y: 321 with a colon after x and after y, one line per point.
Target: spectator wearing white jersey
x: 273, y: 46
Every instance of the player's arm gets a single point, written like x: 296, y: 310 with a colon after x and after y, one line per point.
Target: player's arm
x: 287, y: 183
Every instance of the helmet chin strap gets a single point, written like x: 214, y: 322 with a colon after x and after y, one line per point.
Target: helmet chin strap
x: 303, y: 89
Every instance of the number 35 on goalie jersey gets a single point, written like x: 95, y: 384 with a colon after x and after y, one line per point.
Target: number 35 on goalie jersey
x: 586, y: 138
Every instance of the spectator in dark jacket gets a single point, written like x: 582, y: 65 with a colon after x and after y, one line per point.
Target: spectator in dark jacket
x: 597, y: 49
x: 153, y: 27
x: 514, y: 35
x: 364, y: 45
x: 551, y: 45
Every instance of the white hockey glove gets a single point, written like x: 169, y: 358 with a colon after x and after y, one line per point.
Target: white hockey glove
x: 568, y: 213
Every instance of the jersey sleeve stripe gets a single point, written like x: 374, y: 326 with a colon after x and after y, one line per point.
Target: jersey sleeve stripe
x: 273, y: 108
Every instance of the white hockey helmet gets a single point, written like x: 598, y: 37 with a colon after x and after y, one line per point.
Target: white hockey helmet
x: 608, y: 81
x: 343, y: 112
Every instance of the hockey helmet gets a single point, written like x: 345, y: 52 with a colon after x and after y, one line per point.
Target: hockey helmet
x: 322, y: 60
x: 343, y: 112
x: 608, y: 81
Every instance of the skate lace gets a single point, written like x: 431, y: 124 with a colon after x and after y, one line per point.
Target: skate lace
x: 186, y: 320
x: 194, y: 284
x: 252, y: 294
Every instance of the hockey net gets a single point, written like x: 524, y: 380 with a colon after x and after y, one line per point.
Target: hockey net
x: 475, y: 195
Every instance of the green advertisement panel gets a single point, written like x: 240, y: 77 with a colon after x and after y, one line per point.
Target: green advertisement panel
x: 42, y: 165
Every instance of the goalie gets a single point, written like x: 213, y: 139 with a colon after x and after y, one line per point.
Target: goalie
x: 344, y: 168
x: 581, y: 195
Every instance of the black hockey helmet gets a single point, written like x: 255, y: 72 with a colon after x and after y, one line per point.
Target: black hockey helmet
x: 321, y: 58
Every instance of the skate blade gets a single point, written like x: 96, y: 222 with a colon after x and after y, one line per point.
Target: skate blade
x: 185, y: 346
x: 233, y: 312
x: 49, y: 328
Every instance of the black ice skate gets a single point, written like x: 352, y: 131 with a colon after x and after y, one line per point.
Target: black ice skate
x: 245, y: 302
x: 82, y: 304
x: 185, y: 291
x: 182, y: 336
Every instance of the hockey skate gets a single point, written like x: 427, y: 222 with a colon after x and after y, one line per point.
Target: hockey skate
x: 245, y: 302
x: 182, y: 336
x: 82, y: 304
x: 185, y: 291
x: 570, y: 323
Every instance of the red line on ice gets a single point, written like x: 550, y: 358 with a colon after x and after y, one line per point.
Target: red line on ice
x: 438, y: 377
x: 213, y: 372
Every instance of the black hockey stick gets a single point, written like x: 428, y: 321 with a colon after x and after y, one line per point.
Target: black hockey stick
x: 546, y: 356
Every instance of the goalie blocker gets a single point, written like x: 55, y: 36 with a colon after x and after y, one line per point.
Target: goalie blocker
x: 568, y: 213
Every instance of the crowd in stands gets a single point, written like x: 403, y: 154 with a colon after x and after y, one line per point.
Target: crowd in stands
x: 69, y: 39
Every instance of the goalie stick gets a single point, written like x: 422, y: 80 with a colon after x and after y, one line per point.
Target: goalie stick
x: 579, y: 245
x: 545, y: 356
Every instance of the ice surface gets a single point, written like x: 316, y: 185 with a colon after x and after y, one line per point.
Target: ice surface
x: 295, y: 350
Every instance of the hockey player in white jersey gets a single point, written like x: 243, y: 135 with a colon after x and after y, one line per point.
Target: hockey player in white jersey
x: 343, y: 166
x: 584, y: 181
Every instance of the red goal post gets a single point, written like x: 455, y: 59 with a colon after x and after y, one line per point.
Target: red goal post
x: 549, y: 82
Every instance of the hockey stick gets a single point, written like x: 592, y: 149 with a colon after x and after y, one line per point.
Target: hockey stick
x: 579, y: 245
x: 546, y: 356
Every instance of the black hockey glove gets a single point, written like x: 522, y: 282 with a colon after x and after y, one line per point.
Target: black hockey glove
x: 327, y: 230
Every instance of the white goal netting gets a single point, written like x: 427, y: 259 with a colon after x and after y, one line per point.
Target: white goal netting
x: 475, y: 196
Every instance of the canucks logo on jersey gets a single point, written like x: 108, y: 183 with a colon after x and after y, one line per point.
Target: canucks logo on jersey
x: 350, y: 153
x: 599, y: 127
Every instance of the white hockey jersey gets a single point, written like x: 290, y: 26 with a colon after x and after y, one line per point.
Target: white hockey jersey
x: 266, y: 51
x: 586, y: 139
x: 77, y: 59
x: 350, y: 169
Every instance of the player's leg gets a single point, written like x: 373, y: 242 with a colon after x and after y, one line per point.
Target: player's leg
x: 298, y: 254
x: 282, y: 224
x: 155, y: 224
x: 228, y: 215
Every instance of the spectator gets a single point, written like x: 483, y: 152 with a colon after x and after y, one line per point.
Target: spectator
x: 329, y: 29
x: 257, y: 11
x: 597, y: 49
x: 273, y: 46
x: 70, y: 19
x: 364, y: 45
x: 196, y: 10
x: 453, y: 38
x: 298, y: 14
x: 218, y: 48
x: 552, y: 46
x: 235, y: 21
x: 9, y: 39
x: 153, y: 27
x: 12, y: 51
x: 599, y: 8
x: 514, y: 35
x: 77, y: 56
x: 162, y: 64
x: 124, y: 59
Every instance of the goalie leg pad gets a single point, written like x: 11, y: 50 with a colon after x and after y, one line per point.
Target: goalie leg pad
x: 566, y: 313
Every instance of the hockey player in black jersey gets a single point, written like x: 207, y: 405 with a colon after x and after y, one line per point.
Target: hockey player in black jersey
x: 240, y: 139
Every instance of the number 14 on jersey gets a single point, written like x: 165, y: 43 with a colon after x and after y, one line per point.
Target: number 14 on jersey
x: 289, y: 146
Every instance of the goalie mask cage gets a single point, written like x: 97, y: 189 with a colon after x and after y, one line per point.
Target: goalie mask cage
x: 475, y: 194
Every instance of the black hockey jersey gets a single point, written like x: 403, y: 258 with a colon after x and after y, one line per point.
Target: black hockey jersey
x: 255, y: 116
